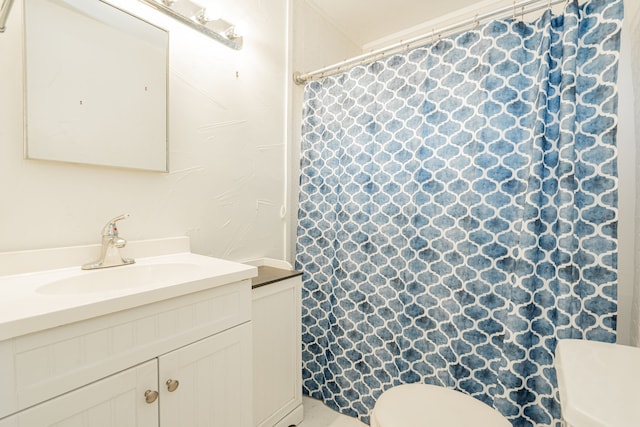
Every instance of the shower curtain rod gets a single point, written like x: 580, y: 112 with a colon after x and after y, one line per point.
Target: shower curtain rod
x: 518, y: 8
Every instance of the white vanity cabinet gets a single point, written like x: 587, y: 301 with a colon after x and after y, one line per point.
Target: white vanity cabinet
x: 104, y: 371
x: 203, y: 384
x: 276, y: 323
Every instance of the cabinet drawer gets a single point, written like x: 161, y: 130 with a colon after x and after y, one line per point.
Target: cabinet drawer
x: 42, y: 365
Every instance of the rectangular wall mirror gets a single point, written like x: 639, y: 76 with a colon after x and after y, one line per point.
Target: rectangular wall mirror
x: 96, y: 85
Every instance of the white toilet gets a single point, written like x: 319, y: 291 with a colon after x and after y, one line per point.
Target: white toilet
x: 423, y: 405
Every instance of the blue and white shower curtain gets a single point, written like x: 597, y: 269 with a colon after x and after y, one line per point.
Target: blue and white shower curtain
x: 458, y: 214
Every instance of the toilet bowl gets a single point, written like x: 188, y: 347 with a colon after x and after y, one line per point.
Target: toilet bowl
x: 423, y: 405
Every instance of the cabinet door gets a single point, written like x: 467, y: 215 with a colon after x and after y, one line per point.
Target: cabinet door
x: 116, y: 401
x: 213, y: 382
x: 277, y: 376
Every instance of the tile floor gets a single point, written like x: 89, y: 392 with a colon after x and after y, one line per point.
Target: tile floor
x: 316, y: 414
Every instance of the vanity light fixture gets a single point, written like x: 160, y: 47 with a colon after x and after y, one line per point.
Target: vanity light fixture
x: 195, y: 16
x: 5, y: 6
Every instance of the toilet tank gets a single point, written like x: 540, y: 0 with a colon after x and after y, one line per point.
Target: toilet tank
x: 598, y: 383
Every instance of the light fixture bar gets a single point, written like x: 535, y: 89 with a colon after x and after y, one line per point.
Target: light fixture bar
x: 193, y: 15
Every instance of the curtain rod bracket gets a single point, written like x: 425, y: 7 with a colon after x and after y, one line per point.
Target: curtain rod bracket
x: 299, y: 79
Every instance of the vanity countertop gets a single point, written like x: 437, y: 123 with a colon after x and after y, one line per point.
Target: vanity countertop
x: 41, y: 300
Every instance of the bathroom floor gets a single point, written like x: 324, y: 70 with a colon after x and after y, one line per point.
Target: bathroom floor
x: 316, y: 414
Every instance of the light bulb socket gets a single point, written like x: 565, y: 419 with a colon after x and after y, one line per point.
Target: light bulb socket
x: 195, y: 16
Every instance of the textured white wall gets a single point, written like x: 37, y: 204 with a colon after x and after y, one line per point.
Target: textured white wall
x: 227, y: 149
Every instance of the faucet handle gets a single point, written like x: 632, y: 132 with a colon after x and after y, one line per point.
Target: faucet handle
x: 110, y: 229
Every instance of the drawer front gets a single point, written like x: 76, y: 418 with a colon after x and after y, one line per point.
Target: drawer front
x: 45, y: 364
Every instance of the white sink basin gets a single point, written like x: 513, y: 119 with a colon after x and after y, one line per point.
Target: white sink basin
x: 119, y: 278
x: 598, y: 383
x: 46, y: 298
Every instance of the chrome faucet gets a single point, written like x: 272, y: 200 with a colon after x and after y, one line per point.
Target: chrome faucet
x: 111, y: 245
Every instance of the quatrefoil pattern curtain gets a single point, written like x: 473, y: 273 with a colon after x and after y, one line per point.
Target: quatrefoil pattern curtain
x: 458, y: 214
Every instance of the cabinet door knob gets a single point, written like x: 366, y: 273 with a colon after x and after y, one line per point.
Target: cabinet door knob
x: 150, y: 396
x: 172, y: 385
